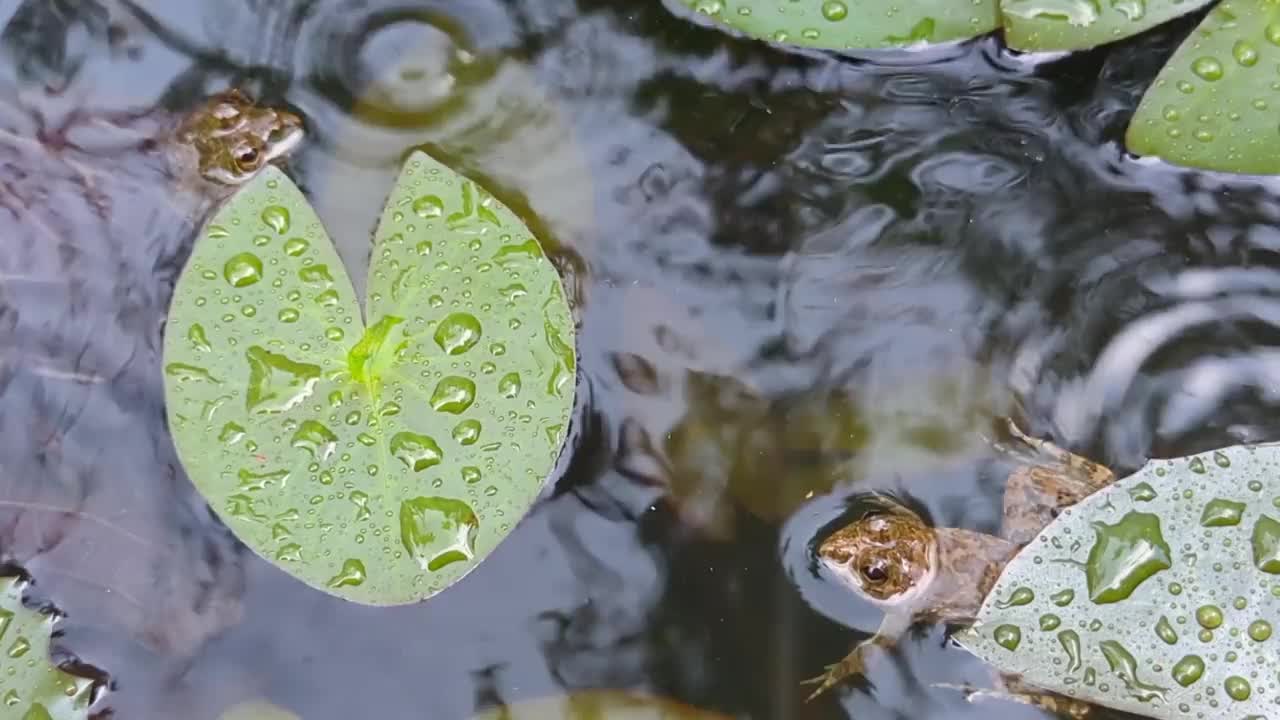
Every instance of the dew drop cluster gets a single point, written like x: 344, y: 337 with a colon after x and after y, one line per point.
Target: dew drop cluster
x: 379, y: 461
x: 1156, y: 595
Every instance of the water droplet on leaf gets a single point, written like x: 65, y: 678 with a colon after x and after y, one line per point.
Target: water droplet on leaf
x: 1221, y: 513
x: 467, y: 432
x: 509, y: 385
x: 1124, y: 555
x: 197, y: 338
x: 351, y: 575
x: 316, y: 439
x: 276, y: 383
x: 417, y: 452
x: 1021, y: 596
x: 453, y: 395
x: 276, y: 218
x: 1188, y: 670
x: 458, y: 333
x: 834, y: 10
x: 438, y: 531
x: 1207, y: 68
x: 242, y: 270
x: 1266, y: 545
x: 428, y: 206
x: 293, y: 247
x: 1008, y: 636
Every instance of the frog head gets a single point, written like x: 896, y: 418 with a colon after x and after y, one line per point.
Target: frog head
x: 888, y: 556
x: 233, y: 138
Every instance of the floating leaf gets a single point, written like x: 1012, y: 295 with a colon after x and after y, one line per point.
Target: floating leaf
x: 1213, y: 105
x: 853, y: 24
x: 377, y: 462
x: 1159, y: 602
x: 596, y: 704
x: 1038, y: 25
x: 30, y: 687
x: 257, y: 710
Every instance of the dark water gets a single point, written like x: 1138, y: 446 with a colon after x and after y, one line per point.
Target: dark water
x: 799, y: 278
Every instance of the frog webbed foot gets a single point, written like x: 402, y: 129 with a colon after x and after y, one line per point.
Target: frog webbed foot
x: 1084, y: 474
x: 1011, y: 688
x: 851, y: 665
x: 1036, y: 492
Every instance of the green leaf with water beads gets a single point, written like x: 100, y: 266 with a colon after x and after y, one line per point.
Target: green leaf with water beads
x: 378, y: 461
x: 1154, y: 596
x: 1047, y: 25
x: 1213, y: 105
x: 853, y: 24
x: 31, y: 687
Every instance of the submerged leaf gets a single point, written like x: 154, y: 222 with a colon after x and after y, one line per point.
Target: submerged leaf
x: 30, y: 687
x: 1154, y: 596
x: 1213, y: 105
x: 379, y: 463
x: 853, y: 24
x: 257, y: 710
x: 1039, y: 25
x: 595, y: 704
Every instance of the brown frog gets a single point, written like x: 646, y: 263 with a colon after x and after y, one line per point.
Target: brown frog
x: 228, y: 139
x: 920, y: 574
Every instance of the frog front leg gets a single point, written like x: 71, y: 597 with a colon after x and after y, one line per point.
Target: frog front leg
x: 885, y: 638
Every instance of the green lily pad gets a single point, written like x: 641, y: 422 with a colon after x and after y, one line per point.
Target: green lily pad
x: 1213, y: 105
x: 30, y: 687
x: 1156, y: 595
x: 381, y: 462
x: 854, y: 24
x: 1041, y: 25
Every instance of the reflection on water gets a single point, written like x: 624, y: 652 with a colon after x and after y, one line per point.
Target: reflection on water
x: 798, y: 278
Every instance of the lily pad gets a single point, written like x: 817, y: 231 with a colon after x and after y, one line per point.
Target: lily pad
x: 1155, y: 596
x: 1040, y: 25
x: 30, y: 687
x: 257, y: 710
x: 593, y: 704
x: 853, y: 24
x: 1213, y: 104
x: 378, y: 462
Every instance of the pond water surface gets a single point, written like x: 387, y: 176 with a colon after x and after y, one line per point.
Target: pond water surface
x: 799, y: 278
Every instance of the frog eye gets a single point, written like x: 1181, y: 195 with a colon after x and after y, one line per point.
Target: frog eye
x: 247, y: 158
x: 874, y: 572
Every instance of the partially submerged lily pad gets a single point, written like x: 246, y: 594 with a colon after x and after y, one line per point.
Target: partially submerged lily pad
x: 1040, y: 25
x: 1213, y: 105
x: 257, y: 710
x: 1156, y: 595
x: 593, y: 704
x: 379, y: 462
x: 30, y: 687
x: 853, y: 24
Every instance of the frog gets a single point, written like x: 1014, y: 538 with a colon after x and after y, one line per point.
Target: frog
x: 101, y: 208
x: 918, y: 574
x: 229, y: 138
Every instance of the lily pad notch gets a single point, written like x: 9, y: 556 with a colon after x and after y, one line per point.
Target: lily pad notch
x: 1211, y: 107
x: 378, y: 457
